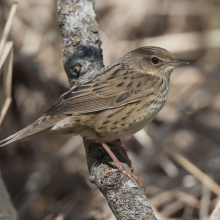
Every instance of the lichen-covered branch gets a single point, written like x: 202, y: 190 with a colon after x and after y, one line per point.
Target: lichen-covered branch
x: 82, y: 58
x: 81, y: 41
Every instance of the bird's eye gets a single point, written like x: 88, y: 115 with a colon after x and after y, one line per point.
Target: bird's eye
x: 155, y: 60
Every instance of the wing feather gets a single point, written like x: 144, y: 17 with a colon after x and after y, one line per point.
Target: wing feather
x: 112, y: 87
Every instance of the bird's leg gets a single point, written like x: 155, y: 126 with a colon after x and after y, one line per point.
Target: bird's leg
x: 122, y: 150
x: 120, y: 168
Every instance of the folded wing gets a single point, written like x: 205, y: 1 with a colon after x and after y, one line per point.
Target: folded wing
x: 114, y: 86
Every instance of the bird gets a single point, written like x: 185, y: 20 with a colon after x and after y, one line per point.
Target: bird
x: 117, y: 101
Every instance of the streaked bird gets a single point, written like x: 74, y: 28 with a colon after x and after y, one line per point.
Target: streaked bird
x: 119, y: 100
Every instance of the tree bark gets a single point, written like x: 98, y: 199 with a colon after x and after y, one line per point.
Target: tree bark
x: 82, y: 57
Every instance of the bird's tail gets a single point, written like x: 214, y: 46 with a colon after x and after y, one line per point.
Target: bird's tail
x: 42, y: 127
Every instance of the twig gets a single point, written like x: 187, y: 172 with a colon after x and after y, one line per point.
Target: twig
x: 216, y: 213
x: 166, y: 196
x: 165, y: 163
x: 172, y: 208
x: 7, y: 61
x: 82, y: 58
x: 201, y: 176
x: 8, y: 27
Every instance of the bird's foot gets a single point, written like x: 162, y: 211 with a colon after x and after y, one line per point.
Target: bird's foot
x: 120, y: 168
x: 127, y: 172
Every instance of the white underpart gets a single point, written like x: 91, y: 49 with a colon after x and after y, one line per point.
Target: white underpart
x: 169, y: 69
x: 62, y: 123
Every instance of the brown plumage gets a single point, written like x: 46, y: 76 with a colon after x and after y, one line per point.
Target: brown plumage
x: 117, y: 101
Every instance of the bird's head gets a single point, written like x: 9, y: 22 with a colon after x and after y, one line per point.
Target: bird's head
x: 153, y: 60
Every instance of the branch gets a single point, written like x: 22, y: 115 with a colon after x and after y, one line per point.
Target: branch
x: 83, y: 58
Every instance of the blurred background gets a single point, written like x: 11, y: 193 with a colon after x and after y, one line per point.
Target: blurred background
x: 48, y: 179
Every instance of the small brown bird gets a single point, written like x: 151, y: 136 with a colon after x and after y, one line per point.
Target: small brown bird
x: 117, y: 101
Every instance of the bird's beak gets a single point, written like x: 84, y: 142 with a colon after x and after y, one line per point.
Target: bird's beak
x: 178, y: 62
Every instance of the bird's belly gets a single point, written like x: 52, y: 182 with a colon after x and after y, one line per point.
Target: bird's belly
x: 111, y: 130
x: 137, y: 126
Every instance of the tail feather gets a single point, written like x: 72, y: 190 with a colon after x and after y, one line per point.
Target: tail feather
x: 40, y: 128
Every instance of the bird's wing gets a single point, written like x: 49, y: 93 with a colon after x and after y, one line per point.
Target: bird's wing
x: 112, y: 87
